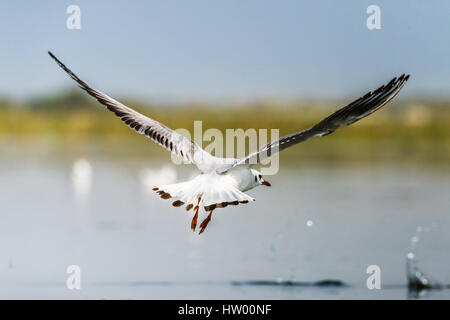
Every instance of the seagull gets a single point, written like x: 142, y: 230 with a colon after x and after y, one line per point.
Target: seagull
x: 224, y: 181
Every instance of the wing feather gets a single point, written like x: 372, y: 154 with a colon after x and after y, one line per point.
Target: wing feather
x: 156, y: 131
x: 358, y: 109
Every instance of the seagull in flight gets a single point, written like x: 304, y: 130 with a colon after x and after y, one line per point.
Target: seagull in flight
x: 224, y: 181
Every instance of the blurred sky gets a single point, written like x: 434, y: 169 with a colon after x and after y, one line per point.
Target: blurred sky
x: 233, y: 49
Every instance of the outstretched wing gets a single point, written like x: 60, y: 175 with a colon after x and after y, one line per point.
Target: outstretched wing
x: 164, y: 136
x: 349, y: 114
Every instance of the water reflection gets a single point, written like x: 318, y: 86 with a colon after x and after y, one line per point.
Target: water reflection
x: 81, y: 177
x: 149, y: 178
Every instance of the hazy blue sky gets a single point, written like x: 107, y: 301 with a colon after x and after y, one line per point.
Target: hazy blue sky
x: 233, y: 49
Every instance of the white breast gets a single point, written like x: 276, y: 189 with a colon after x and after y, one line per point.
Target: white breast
x: 241, y: 177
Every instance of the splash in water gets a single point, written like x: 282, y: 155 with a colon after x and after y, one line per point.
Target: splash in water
x: 417, y: 279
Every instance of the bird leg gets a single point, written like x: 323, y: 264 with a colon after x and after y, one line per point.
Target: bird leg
x: 194, y: 219
x: 205, y: 222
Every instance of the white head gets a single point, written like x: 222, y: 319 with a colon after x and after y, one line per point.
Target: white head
x: 258, y: 179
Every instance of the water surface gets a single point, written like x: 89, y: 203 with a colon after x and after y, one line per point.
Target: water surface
x: 314, y: 223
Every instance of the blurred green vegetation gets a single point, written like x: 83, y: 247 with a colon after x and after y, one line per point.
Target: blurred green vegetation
x: 405, y: 130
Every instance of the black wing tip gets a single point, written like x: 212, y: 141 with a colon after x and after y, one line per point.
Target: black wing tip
x: 391, y: 86
x: 402, y: 80
x: 52, y: 55
x: 81, y: 83
x: 57, y: 61
x: 404, y: 77
x: 394, y: 83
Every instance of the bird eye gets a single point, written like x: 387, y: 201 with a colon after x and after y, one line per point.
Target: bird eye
x: 260, y: 176
x: 256, y: 179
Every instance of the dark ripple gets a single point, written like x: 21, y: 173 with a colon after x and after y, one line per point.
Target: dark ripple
x: 321, y: 283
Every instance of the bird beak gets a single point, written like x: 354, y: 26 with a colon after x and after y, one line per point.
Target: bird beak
x: 266, y: 183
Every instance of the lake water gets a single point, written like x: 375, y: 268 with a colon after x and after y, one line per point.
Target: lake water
x: 314, y: 223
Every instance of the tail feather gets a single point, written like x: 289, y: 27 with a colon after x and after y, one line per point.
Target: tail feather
x: 213, y: 193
